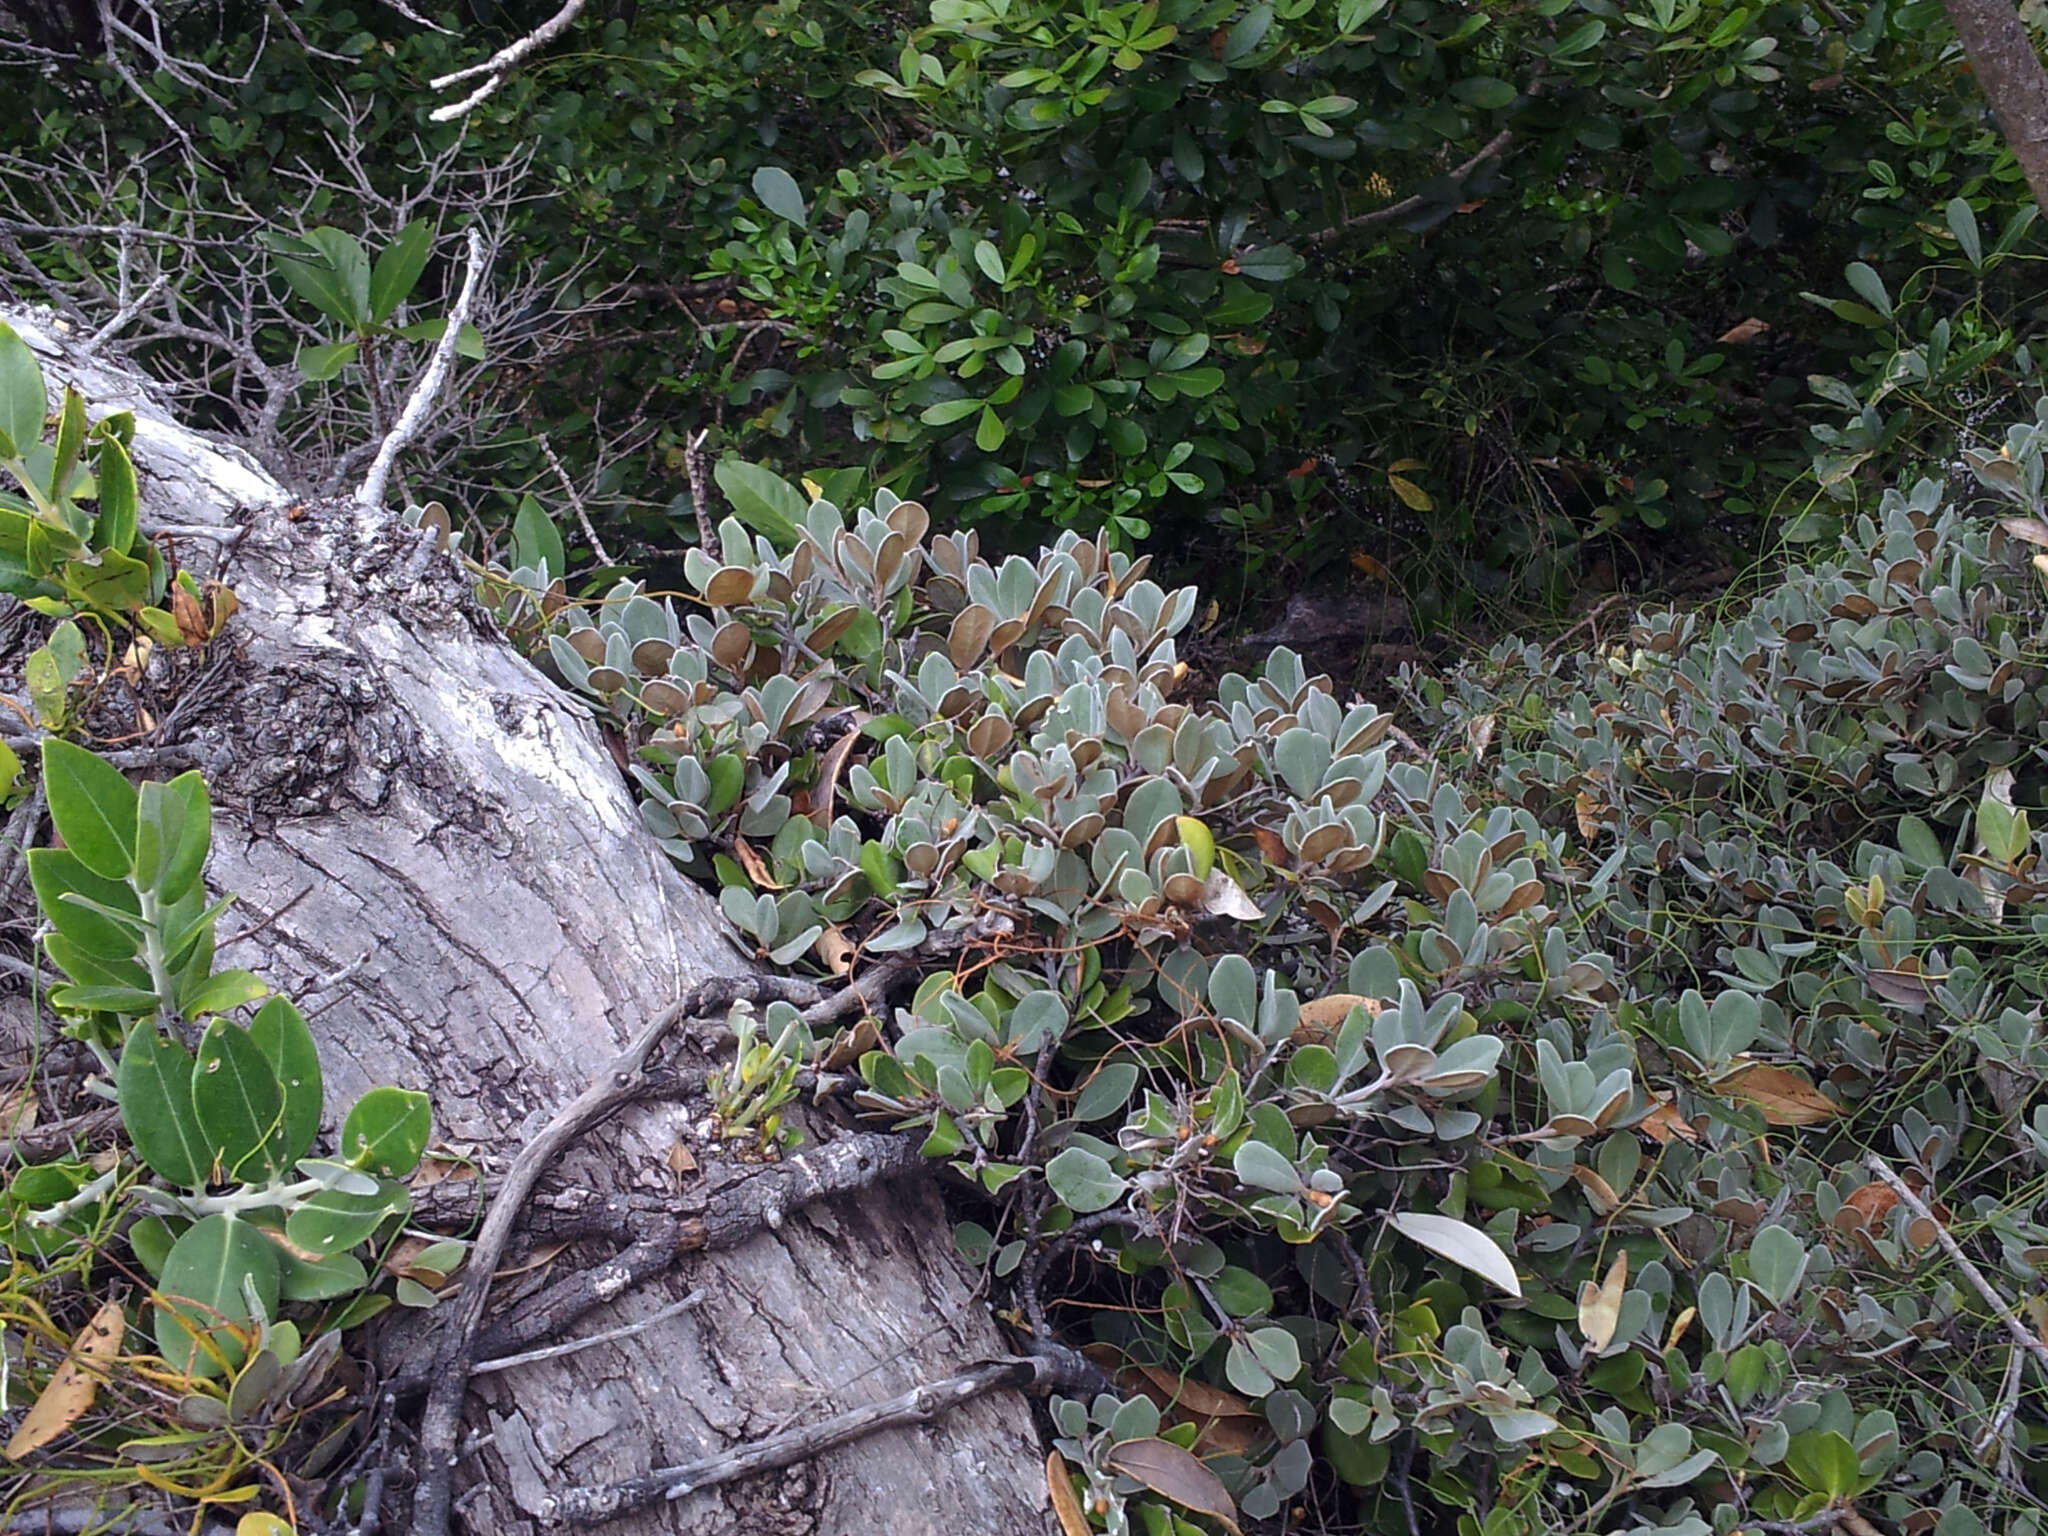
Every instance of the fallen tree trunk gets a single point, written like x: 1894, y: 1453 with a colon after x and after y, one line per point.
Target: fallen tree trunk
x: 437, y: 857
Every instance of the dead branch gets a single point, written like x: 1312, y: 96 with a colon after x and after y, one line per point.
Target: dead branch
x: 1050, y: 1370
x: 421, y: 402
x: 499, y: 66
x: 441, y: 1419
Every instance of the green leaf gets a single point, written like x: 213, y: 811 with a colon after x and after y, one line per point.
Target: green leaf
x: 239, y: 1105
x: 119, y: 498
x: 536, y: 542
x: 1869, y: 287
x: 202, y: 1308
x: 23, y: 404
x: 321, y: 363
x: 946, y: 412
x: 1825, y: 1461
x: 329, y: 270
x: 1269, y: 264
x: 342, y: 1274
x: 780, y: 194
x: 279, y: 1032
x: 154, y: 1080
x: 398, y: 269
x: 93, y: 808
x: 1277, y: 1351
x: 57, y: 872
x: 1107, y: 1092
x: 1485, y: 92
x: 173, y: 830
x: 1962, y: 224
x: 332, y: 1221
x: 222, y: 993
x: 1264, y: 1167
x: 1462, y: 1244
x: 1777, y: 1262
x: 1084, y: 1180
x: 386, y: 1133
x: 989, y: 432
x: 117, y: 584
x: 763, y: 500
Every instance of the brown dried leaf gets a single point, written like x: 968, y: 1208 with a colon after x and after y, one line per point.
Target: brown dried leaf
x: 74, y: 1385
x: 682, y: 1162
x: 1065, y: 1502
x: 1175, y: 1474
x: 1322, y: 1017
x: 1665, y: 1122
x: 1744, y: 330
x: 825, y: 788
x: 1599, y: 1193
x: 755, y: 866
x: 1479, y: 736
x: 1785, y: 1097
x: 2030, y: 529
x: 837, y: 950
x: 1589, y: 813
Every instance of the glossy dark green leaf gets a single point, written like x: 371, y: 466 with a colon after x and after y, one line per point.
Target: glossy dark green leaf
x: 23, y: 405
x: 386, y: 1132
x: 155, y: 1083
x: 333, y: 1221
x: 173, y: 830
x: 120, y: 498
x: 239, y: 1105
x: 202, y: 1310
x: 222, y: 992
x: 341, y: 1275
x: 92, y: 807
x: 56, y: 873
x: 279, y: 1032
x: 398, y: 268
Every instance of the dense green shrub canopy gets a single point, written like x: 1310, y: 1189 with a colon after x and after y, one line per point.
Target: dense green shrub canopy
x: 1454, y: 286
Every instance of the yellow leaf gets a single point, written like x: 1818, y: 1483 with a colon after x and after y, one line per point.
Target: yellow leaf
x: 1402, y: 466
x: 257, y: 1523
x: 1411, y: 493
x: 75, y: 1384
x: 1600, y: 1305
x: 1065, y: 1503
x: 1678, y: 1326
x: 1199, y: 842
x: 817, y: 493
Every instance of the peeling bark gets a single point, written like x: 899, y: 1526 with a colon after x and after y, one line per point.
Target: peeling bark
x: 391, y: 780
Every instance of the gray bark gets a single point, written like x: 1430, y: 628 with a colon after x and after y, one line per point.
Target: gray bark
x: 2002, y: 57
x: 392, y: 779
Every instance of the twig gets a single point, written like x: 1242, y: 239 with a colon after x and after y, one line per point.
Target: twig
x: 1408, y: 205
x: 574, y: 1346
x: 2021, y: 1334
x: 1048, y: 1371
x: 499, y: 65
x: 576, y: 501
x: 421, y: 401
x: 693, y: 465
x: 441, y: 1418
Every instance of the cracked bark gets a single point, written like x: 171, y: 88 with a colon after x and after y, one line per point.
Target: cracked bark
x: 389, y: 777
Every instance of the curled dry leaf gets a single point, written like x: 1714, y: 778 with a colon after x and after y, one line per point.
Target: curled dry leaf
x: 1224, y: 897
x: 1665, y: 1122
x: 1744, y: 330
x: 1175, y: 1474
x: 1600, y: 1305
x: 755, y: 866
x: 74, y: 1385
x: 836, y: 950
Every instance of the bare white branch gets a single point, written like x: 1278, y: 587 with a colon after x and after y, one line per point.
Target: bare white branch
x: 499, y: 65
x: 421, y: 403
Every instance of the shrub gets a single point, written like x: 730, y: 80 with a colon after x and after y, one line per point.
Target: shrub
x: 1473, y: 1134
